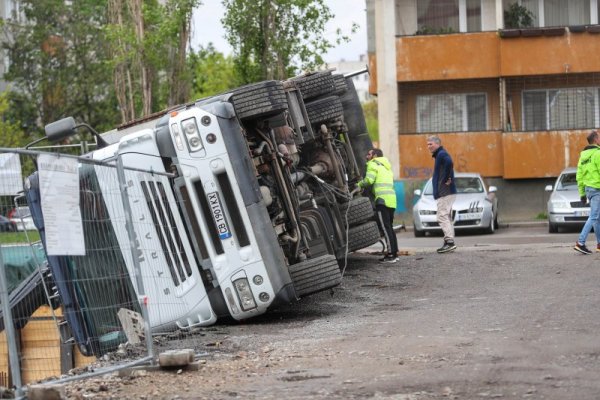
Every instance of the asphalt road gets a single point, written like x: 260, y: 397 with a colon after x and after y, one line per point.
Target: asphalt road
x: 513, y: 315
x: 508, y: 234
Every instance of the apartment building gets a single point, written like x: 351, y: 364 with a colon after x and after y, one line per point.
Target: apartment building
x: 512, y: 87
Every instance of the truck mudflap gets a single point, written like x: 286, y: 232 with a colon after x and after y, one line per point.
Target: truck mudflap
x: 315, y: 275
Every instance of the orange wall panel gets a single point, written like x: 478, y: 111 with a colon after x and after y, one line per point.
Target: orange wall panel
x: 471, y: 152
x: 541, y: 154
x: 570, y: 53
x: 441, y: 57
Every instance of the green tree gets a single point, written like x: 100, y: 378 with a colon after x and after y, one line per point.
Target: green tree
x: 370, y: 112
x: 271, y: 39
x: 58, y: 62
x: 212, y: 72
x: 148, y: 41
x: 11, y: 133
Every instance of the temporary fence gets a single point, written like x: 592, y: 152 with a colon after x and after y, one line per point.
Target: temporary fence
x: 90, y: 258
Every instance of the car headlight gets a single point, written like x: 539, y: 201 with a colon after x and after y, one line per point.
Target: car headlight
x: 560, y: 204
x: 242, y: 287
x: 192, y: 134
x: 427, y: 212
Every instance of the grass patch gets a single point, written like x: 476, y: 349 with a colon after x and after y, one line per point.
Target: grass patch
x: 541, y: 215
x: 18, y: 237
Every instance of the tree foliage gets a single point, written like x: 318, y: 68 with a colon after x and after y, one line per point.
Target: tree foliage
x: 58, y: 61
x: 272, y: 38
x: 212, y: 72
x: 149, y: 41
x: 11, y: 133
x: 371, y: 119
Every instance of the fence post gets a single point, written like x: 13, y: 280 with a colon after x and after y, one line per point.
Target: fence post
x: 9, y: 327
x: 134, y: 255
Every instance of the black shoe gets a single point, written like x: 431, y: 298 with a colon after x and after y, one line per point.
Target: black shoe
x: 447, y: 247
x: 581, y: 248
x: 389, y: 259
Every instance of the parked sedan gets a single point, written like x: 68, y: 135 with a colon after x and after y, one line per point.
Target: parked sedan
x: 565, y: 208
x: 474, y: 208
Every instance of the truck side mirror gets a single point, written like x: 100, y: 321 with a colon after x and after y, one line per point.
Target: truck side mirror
x: 61, y: 129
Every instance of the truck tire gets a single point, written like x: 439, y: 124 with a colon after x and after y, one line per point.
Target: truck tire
x: 259, y: 99
x: 361, y: 210
x: 324, y: 109
x: 315, y: 85
x: 315, y: 275
x: 362, y: 236
x: 340, y: 84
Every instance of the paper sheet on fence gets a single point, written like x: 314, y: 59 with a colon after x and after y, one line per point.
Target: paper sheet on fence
x: 59, y: 190
x: 10, y: 174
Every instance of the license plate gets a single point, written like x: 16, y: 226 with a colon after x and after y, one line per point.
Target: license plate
x: 584, y: 213
x: 217, y: 211
x: 463, y: 217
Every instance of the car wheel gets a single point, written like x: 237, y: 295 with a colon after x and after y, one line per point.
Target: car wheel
x: 552, y: 228
x: 492, y: 228
x: 418, y: 232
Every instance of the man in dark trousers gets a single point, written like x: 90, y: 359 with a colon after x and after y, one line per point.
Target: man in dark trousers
x: 444, y: 190
x: 380, y: 178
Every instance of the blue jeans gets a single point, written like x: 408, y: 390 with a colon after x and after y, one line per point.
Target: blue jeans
x: 594, y: 219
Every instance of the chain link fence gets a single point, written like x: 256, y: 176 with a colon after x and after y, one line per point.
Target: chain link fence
x: 92, y: 257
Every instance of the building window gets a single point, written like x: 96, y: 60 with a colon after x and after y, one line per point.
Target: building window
x: 566, y: 12
x: 452, y: 112
x: 568, y: 108
x: 437, y: 16
x: 558, y: 12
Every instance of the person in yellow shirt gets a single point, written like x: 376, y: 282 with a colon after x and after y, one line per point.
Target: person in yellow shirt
x: 380, y: 179
x: 588, y: 183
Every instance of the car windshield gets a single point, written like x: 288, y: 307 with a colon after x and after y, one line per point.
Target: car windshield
x: 567, y: 181
x: 464, y: 184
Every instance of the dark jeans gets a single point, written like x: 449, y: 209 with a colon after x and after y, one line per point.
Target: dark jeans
x: 385, y: 216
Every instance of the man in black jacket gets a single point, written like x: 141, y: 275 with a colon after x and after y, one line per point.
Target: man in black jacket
x: 444, y: 190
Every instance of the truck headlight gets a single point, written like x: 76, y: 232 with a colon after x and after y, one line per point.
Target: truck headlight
x: 192, y: 134
x: 242, y: 287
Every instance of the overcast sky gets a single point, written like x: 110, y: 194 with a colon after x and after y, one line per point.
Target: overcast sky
x: 207, y: 28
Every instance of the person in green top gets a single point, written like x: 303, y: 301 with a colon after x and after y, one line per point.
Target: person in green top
x: 380, y: 179
x: 588, y: 183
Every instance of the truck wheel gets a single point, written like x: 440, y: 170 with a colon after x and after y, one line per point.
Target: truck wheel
x: 360, y: 210
x: 259, y: 99
x: 324, y: 109
x: 362, y: 236
x: 552, y: 228
x: 315, y: 84
x: 315, y: 274
x: 340, y: 84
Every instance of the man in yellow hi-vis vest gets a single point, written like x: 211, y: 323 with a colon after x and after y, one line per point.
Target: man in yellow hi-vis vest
x: 380, y: 178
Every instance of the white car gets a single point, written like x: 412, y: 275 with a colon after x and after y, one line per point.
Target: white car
x: 21, y: 217
x: 475, y: 207
x: 565, y: 208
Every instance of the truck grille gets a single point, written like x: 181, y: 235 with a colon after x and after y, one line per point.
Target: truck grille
x: 169, y: 237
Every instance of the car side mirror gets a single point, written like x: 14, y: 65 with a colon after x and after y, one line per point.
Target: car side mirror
x: 492, y: 189
x: 548, y: 188
x: 61, y: 129
x: 417, y: 192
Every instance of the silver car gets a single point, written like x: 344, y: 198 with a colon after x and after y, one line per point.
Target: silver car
x: 475, y: 207
x: 565, y: 208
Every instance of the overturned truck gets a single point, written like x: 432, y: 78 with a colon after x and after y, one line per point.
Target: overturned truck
x: 259, y: 206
